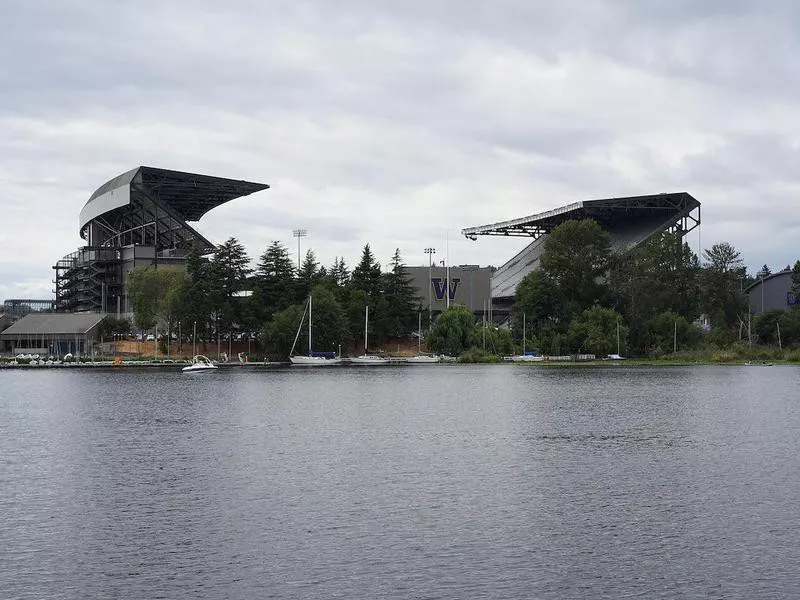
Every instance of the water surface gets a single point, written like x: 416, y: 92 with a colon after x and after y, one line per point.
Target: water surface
x: 448, y: 481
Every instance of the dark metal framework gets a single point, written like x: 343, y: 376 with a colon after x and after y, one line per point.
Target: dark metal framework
x: 676, y: 209
x: 160, y: 204
x: 146, y: 207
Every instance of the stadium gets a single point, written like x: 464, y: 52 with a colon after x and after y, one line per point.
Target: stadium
x: 630, y: 221
x: 137, y: 219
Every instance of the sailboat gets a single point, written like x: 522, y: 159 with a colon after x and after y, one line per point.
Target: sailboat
x: 368, y: 359
x: 525, y: 356
x: 616, y: 356
x: 421, y: 358
x: 312, y: 358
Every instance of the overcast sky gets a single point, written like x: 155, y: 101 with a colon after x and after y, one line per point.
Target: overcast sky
x: 400, y: 123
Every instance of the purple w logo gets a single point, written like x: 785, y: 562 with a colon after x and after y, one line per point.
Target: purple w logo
x: 439, y: 283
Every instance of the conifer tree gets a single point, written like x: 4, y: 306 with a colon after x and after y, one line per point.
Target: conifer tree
x: 274, y: 282
x: 402, y: 302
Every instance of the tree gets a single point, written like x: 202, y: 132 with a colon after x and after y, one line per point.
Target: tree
x: 763, y: 272
x: 280, y: 332
x: 495, y: 340
x: 230, y: 268
x: 660, y: 275
x: 196, y: 296
x: 273, y: 283
x: 157, y: 294
x: 402, y: 303
x: 452, y: 331
x: 577, y: 254
x: 367, y: 274
x: 594, y: 331
x: 795, y: 284
x: 308, y: 275
x: 538, y: 298
x: 669, y: 330
x: 721, y: 294
x: 723, y: 258
x: 328, y: 332
x: 339, y: 272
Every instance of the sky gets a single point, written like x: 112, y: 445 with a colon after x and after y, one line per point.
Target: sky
x: 400, y: 123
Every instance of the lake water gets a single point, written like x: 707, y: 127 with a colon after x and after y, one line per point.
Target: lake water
x: 449, y: 481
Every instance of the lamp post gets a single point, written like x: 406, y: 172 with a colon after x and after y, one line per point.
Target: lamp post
x: 299, y: 233
x: 430, y: 252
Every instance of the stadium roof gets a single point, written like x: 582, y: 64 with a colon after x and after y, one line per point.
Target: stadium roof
x: 190, y: 195
x: 151, y: 206
x: 52, y: 324
x: 671, y: 206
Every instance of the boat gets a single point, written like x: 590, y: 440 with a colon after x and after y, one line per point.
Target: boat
x: 527, y: 355
x: 200, y: 364
x: 313, y: 358
x: 368, y: 359
x: 420, y: 358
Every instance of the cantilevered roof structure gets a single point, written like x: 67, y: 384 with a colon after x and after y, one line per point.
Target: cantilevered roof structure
x: 673, y: 209
x: 138, y: 219
x: 151, y: 206
x: 630, y: 221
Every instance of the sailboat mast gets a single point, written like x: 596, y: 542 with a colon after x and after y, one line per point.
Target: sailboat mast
x: 366, y: 327
x: 419, y: 332
x: 309, y: 325
x: 523, y: 334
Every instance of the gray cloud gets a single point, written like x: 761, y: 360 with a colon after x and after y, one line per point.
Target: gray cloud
x: 398, y: 123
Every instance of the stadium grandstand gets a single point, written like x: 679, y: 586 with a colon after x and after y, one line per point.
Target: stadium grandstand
x: 630, y: 221
x: 139, y: 218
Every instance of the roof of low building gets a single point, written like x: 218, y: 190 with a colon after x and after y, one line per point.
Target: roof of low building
x: 52, y: 324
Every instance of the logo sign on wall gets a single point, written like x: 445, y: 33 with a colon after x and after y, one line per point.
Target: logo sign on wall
x: 439, y: 286
x: 790, y: 299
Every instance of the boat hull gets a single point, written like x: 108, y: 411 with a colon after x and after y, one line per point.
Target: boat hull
x: 369, y: 360
x: 422, y: 360
x: 314, y: 361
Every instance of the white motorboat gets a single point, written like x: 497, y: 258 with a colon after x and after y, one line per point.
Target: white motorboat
x: 368, y: 359
x: 200, y: 364
x: 312, y: 359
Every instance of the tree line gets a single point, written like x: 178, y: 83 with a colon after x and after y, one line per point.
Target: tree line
x: 209, y: 298
x: 585, y: 297
x: 655, y: 299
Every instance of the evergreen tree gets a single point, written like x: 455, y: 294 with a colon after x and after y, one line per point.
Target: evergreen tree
x: 763, y: 272
x: 308, y: 275
x: 367, y: 274
x: 795, y: 284
x: 197, y: 295
x: 339, y: 272
x: 230, y: 268
x: 274, y: 282
x: 402, y: 302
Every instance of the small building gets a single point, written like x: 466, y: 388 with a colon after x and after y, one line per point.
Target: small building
x: 772, y: 292
x: 468, y: 285
x: 52, y: 334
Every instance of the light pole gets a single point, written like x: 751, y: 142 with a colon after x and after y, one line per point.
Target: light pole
x: 430, y: 252
x: 299, y: 233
